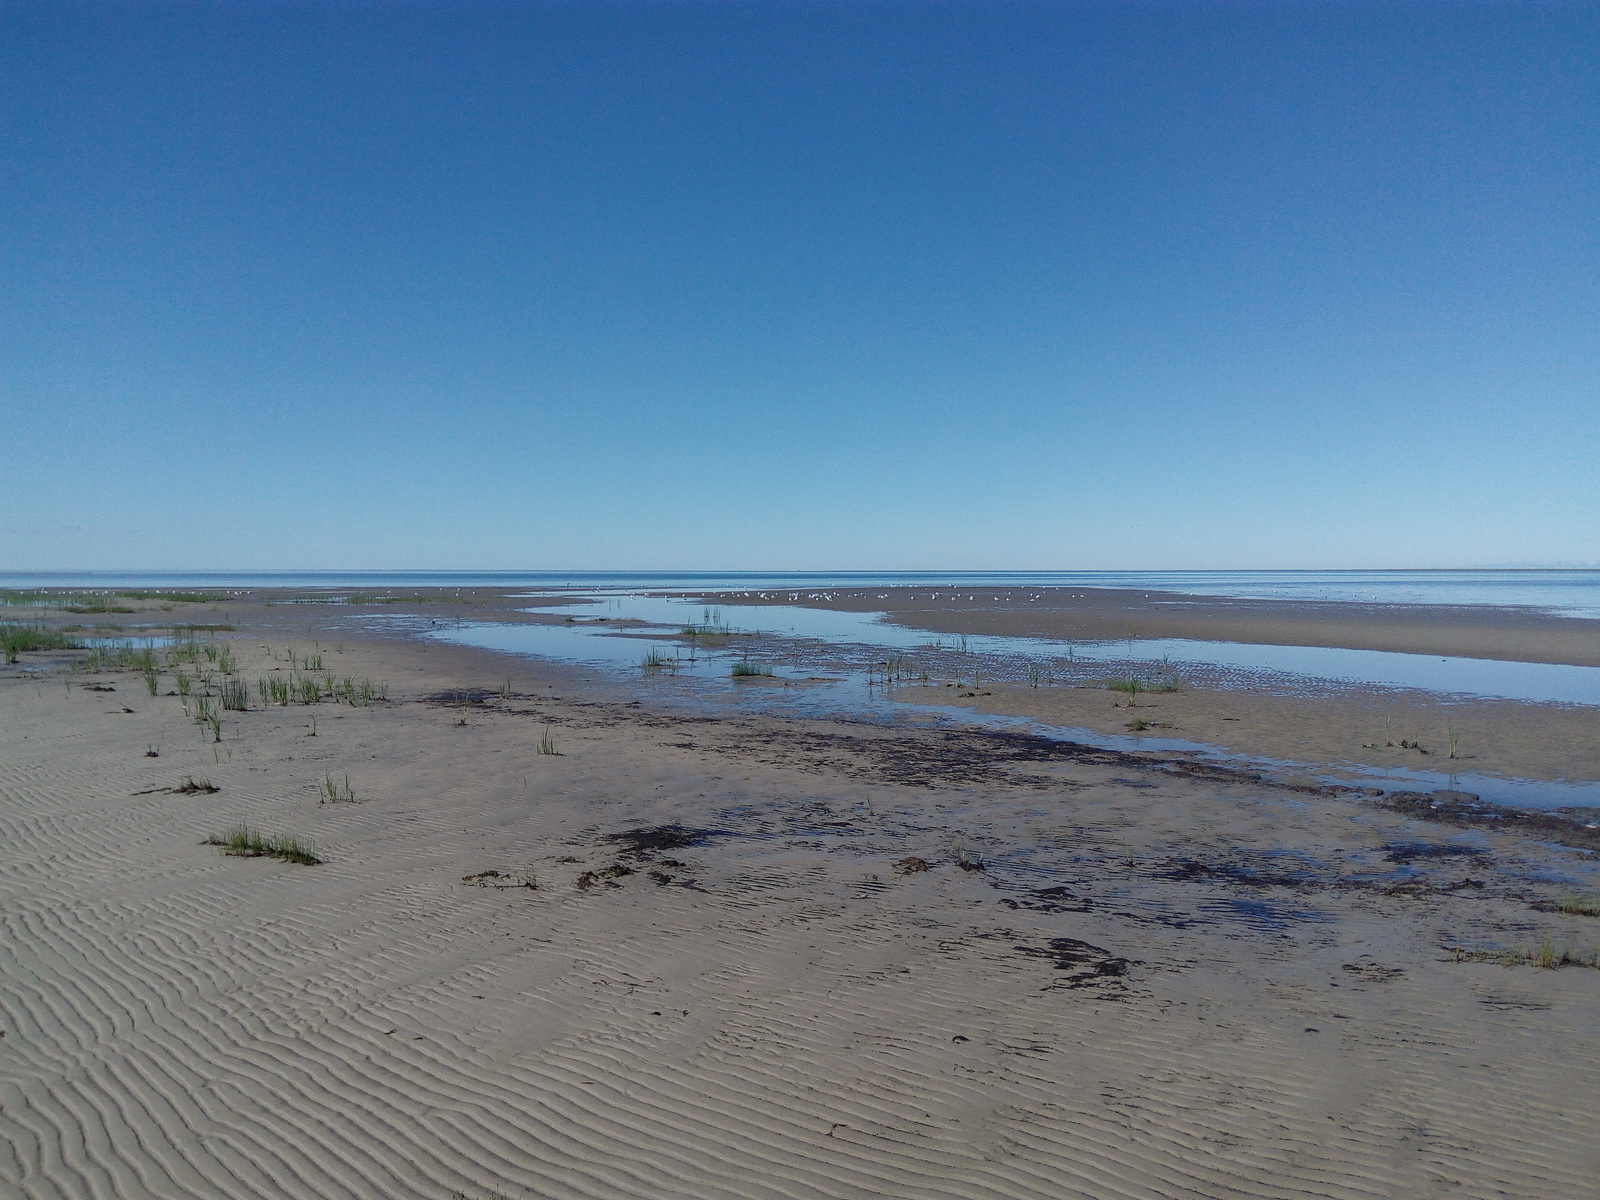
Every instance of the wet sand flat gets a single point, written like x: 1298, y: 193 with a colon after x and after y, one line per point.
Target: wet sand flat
x: 1115, y: 976
x: 1067, y: 614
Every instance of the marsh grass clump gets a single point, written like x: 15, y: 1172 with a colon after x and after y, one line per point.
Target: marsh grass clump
x: 654, y: 661
x: 94, y: 602
x: 547, y: 743
x: 1132, y: 685
x: 176, y: 597
x: 20, y: 639
x: 745, y: 669
x: 1579, y: 906
x: 235, y: 695
x: 244, y: 842
x: 151, y: 680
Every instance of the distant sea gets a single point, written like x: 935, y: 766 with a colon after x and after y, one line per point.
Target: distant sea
x: 1566, y: 592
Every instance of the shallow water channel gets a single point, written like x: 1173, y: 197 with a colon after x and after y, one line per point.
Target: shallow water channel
x: 831, y: 653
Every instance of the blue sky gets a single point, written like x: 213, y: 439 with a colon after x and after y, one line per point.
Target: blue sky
x: 804, y: 285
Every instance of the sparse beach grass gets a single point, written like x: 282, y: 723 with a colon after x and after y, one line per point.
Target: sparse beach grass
x: 1579, y: 906
x: 1543, y: 955
x: 114, y: 656
x: 330, y: 791
x: 244, y: 842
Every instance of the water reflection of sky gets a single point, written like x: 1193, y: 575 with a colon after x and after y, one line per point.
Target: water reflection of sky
x: 1549, y: 682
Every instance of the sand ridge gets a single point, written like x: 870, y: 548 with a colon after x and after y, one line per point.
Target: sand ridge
x: 1156, y: 986
x: 1113, y: 614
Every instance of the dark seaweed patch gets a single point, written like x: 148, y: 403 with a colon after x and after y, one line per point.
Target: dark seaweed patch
x: 1403, y: 852
x: 459, y: 697
x: 1464, y: 809
x: 1087, y: 965
x: 1182, y: 869
x: 643, y: 843
x: 1051, y: 900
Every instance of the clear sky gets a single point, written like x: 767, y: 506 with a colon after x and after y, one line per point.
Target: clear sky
x: 799, y: 285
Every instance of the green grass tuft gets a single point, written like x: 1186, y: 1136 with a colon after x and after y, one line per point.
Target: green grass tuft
x: 330, y: 792
x: 1579, y: 906
x: 244, y: 842
x: 20, y: 639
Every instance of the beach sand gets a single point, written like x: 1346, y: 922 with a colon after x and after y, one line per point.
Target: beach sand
x: 1163, y: 982
x: 1085, y: 614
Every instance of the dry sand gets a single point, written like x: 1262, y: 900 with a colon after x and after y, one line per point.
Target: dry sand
x: 1164, y: 983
